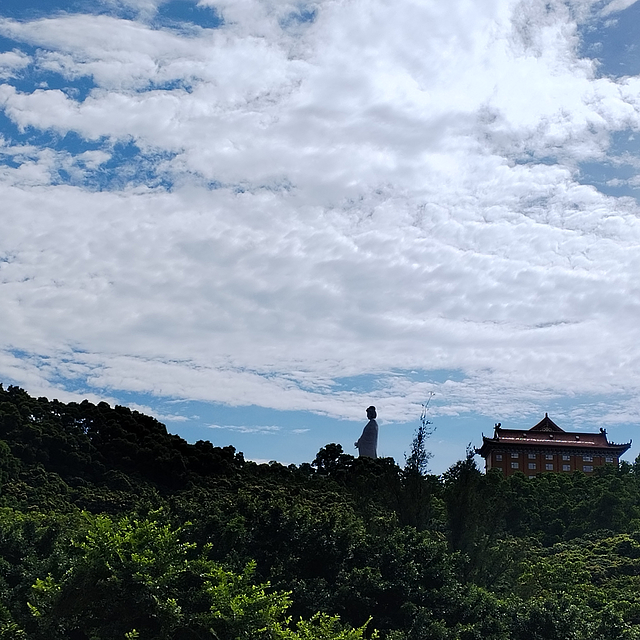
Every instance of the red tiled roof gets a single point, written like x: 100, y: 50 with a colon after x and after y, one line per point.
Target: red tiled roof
x: 548, y: 434
x: 567, y: 439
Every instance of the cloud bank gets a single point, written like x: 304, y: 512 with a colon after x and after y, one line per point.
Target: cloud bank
x: 250, y: 212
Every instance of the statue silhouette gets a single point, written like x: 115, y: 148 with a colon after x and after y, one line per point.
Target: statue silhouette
x: 367, y: 445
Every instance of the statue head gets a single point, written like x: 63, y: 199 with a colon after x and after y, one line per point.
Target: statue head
x: 371, y: 413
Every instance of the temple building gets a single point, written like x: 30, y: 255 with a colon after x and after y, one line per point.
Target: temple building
x: 546, y: 448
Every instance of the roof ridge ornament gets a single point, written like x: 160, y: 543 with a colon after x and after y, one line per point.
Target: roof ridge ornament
x: 547, y: 424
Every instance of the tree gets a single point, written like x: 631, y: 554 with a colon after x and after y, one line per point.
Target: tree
x: 418, y: 504
x: 418, y: 461
x: 136, y: 578
x: 331, y: 458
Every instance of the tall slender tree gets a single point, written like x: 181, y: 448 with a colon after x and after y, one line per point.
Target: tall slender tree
x: 417, y: 463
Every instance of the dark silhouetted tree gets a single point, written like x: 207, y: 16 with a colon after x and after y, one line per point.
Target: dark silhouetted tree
x: 417, y: 463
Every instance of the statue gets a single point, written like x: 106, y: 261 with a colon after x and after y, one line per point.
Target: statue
x: 367, y: 445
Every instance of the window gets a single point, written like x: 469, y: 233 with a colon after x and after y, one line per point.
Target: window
x: 532, y: 456
x: 514, y: 465
x: 532, y: 465
x: 566, y: 457
x: 587, y: 467
x: 549, y: 456
x: 548, y: 466
x: 531, y: 477
x: 566, y: 467
x: 498, y: 456
x: 587, y: 458
x: 514, y: 455
x: 608, y: 459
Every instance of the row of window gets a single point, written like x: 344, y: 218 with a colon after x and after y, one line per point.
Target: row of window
x: 549, y: 467
x: 549, y: 456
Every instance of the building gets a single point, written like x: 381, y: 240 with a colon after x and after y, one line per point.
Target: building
x: 546, y: 448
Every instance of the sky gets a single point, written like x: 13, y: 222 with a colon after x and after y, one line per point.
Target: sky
x: 252, y: 219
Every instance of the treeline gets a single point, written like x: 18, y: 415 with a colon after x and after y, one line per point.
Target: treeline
x: 111, y: 528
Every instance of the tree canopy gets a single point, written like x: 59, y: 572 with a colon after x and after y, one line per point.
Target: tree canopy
x: 112, y: 528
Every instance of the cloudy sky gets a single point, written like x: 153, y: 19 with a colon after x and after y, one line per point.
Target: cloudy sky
x: 254, y: 218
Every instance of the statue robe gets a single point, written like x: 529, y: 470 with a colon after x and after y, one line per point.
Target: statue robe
x: 368, y: 442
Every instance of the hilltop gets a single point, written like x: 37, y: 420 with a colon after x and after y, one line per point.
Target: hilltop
x: 111, y: 527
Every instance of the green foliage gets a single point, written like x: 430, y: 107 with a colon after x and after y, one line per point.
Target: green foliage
x: 420, y: 505
x: 9, y: 465
x: 136, y: 578
x: 95, y: 541
x: 323, y: 627
x: 417, y: 463
x: 98, y: 444
x: 9, y: 630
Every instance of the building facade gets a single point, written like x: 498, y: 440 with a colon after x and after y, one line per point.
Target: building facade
x: 546, y: 448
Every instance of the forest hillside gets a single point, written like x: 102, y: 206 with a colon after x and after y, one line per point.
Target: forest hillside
x: 112, y: 528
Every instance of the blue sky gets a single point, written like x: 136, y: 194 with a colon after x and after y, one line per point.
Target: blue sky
x: 254, y: 218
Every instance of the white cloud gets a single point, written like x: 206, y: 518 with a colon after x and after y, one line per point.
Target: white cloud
x: 145, y: 9
x: 11, y: 62
x: 617, y: 5
x: 93, y: 159
x: 375, y: 212
x: 265, y: 430
x: 162, y: 417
